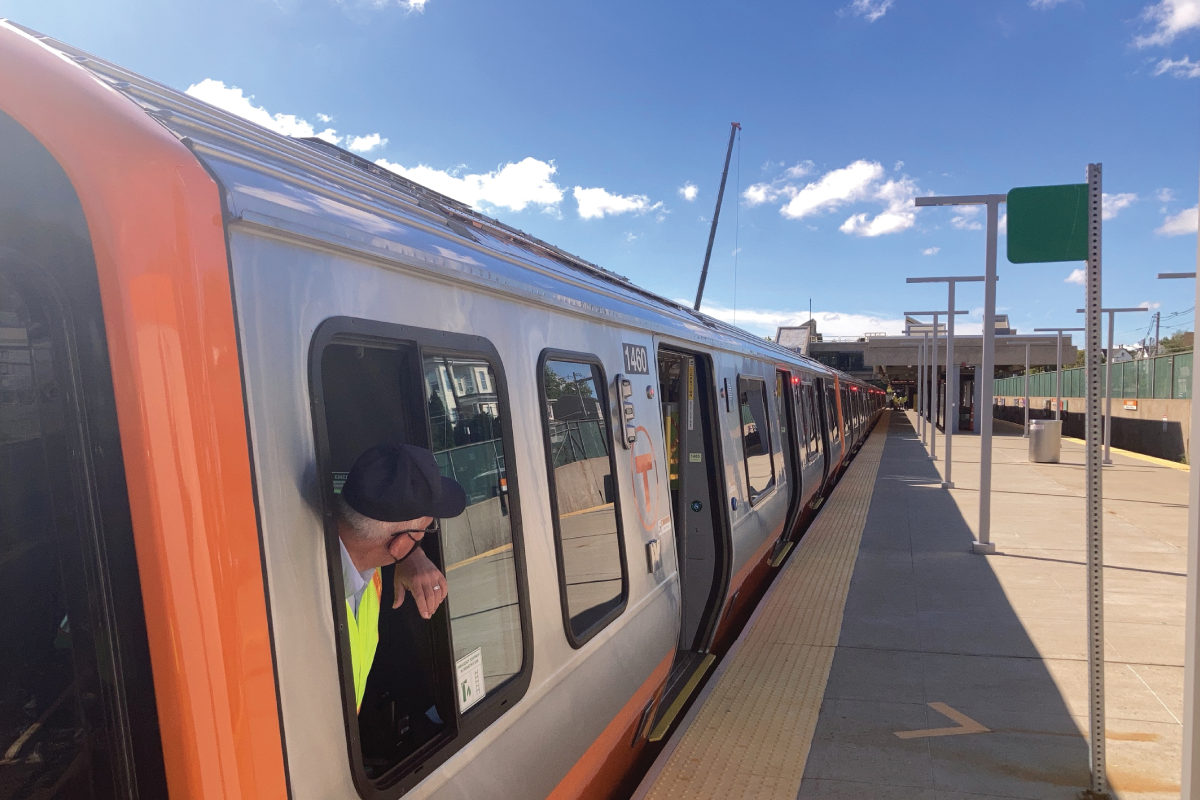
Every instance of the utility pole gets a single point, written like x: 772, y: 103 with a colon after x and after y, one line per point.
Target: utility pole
x: 712, y: 234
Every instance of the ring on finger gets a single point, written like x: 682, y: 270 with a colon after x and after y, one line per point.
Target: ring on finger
x: 436, y: 587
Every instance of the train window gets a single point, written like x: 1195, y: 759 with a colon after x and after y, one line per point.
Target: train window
x: 434, y: 683
x: 781, y: 416
x: 831, y: 415
x: 756, y: 437
x: 583, y: 497
x: 814, y: 417
x: 74, y: 666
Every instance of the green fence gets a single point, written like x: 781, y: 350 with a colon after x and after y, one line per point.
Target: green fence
x: 1162, y: 377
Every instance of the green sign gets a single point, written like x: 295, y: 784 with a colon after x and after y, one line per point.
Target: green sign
x: 1048, y: 223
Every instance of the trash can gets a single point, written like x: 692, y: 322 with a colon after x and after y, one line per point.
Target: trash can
x: 1045, y: 440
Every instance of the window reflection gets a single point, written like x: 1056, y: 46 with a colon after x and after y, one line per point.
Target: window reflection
x: 756, y: 437
x: 464, y: 422
x: 584, y: 494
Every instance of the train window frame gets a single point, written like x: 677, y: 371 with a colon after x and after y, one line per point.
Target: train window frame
x: 752, y: 498
x: 405, y: 775
x: 577, y: 641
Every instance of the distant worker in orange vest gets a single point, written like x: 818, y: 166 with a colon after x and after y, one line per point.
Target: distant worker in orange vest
x: 390, y: 500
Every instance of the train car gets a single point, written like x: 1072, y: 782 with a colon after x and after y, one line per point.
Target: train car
x: 203, y: 324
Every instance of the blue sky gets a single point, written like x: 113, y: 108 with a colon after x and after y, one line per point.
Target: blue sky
x: 586, y: 124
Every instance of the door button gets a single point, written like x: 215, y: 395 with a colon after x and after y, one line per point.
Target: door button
x: 697, y: 505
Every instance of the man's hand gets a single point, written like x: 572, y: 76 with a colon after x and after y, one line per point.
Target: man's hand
x: 417, y: 574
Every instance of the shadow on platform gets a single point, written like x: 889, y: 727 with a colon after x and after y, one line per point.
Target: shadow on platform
x: 927, y: 622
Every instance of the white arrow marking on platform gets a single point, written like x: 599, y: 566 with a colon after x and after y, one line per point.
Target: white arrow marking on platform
x: 966, y: 725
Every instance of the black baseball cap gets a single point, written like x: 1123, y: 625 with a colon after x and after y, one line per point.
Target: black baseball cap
x: 399, y: 482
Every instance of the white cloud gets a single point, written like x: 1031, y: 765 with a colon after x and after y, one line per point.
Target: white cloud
x: 598, y: 203
x: 964, y: 218
x: 899, y: 165
x: 688, y: 191
x: 899, y: 214
x: 513, y: 186
x: 231, y: 99
x: 1114, y: 204
x: 1044, y: 4
x: 1148, y: 305
x: 800, y: 169
x: 931, y: 251
x: 410, y: 6
x: 769, y: 192
x: 629, y: 237
x: 834, y: 189
x: 1165, y: 195
x: 760, y: 193
x: 871, y: 10
x: 236, y: 102
x: 1002, y: 225
x: 860, y: 181
x: 1180, y: 68
x: 1180, y: 224
x: 829, y: 323
x: 1170, y: 18
x: 1078, y: 276
x: 365, y: 144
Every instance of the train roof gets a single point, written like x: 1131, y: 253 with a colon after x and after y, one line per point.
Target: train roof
x: 316, y: 190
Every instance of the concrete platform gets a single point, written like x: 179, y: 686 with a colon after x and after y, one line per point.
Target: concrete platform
x: 934, y: 637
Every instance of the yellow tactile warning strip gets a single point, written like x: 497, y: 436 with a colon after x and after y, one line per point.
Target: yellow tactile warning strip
x: 1162, y: 462
x: 751, y: 736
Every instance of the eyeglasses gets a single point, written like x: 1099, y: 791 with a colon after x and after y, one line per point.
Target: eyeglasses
x: 433, y: 528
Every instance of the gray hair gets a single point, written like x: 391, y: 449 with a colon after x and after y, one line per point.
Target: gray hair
x: 363, y: 526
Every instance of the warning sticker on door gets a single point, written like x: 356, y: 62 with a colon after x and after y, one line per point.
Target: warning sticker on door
x: 470, y: 679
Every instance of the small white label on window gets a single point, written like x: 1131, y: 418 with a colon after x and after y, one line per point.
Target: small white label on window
x: 470, y: 679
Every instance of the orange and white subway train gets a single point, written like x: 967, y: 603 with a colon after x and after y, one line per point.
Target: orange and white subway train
x: 203, y: 324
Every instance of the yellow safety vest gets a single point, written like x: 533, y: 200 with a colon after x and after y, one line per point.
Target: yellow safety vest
x: 364, y: 635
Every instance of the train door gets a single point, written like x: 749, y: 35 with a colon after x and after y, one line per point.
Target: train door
x: 836, y: 451
x: 791, y: 431
x: 697, y: 510
x: 813, y: 470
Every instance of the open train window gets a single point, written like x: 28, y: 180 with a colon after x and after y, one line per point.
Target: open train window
x: 433, y: 684
x: 756, y: 437
x: 583, y: 495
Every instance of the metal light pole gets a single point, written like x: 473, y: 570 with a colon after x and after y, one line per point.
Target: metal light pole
x: 1026, y: 433
x: 932, y: 363
x: 988, y: 360
x: 1112, y: 315
x: 1191, y: 697
x: 921, y: 380
x: 951, y: 369
x: 1058, y: 365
